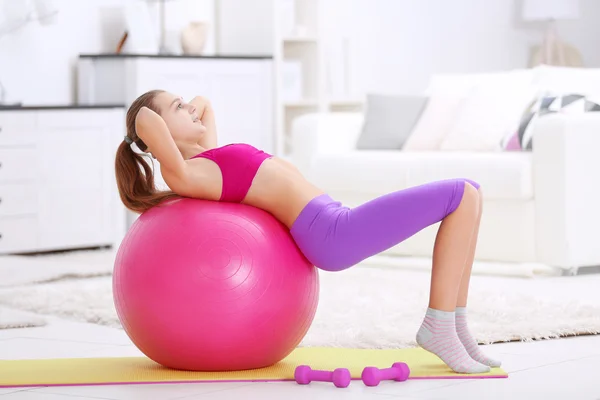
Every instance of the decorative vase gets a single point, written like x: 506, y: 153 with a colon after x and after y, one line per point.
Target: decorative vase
x: 193, y: 38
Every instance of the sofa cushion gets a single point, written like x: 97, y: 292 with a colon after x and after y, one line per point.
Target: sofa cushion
x: 574, y: 103
x: 501, y: 175
x: 491, y: 111
x: 437, y: 120
x: 389, y: 120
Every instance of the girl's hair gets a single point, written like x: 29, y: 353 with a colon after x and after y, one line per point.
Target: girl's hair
x: 135, y: 178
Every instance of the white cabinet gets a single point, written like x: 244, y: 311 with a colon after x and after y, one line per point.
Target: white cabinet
x: 239, y: 88
x: 57, y: 181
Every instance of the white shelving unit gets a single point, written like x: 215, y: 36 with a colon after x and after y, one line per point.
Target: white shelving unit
x: 300, y: 47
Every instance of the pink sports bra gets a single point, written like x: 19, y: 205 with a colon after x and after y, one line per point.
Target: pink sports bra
x: 238, y: 163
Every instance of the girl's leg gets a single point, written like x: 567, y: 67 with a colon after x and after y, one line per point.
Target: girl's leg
x: 463, y: 291
x: 334, y: 238
x: 451, y: 250
x: 462, y: 328
x: 438, y: 333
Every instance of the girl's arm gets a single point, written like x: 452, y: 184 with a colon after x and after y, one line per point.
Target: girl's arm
x: 207, y: 116
x: 153, y: 131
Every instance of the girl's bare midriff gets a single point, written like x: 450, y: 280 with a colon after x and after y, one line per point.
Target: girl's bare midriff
x: 278, y: 187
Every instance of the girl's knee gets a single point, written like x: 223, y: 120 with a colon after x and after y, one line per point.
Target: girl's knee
x: 463, y: 193
x: 471, y: 191
x: 471, y: 195
x: 477, y: 188
x: 472, y: 183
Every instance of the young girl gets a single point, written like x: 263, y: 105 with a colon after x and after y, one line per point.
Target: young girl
x: 182, y: 136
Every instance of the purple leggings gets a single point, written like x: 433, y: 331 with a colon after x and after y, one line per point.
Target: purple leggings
x: 334, y: 237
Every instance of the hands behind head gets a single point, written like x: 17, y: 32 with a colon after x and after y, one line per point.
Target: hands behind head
x: 201, y: 104
x: 147, y: 122
x: 145, y: 116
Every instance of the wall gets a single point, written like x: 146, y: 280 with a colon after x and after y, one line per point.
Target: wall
x: 245, y: 26
x: 397, y: 44
x: 37, y: 63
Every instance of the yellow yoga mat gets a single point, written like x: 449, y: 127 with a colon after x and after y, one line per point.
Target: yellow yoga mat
x: 123, y: 370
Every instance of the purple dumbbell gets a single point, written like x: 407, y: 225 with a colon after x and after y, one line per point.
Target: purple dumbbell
x: 305, y: 375
x: 371, y: 376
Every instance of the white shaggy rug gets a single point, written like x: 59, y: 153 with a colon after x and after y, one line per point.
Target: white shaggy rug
x: 20, y: 270
x: 27, y: 270
x: 13, y: 319
x: 364, y: 307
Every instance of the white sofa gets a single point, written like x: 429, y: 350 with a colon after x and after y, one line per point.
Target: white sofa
x: 540, y: 206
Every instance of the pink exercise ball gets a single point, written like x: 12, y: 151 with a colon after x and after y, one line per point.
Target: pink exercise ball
x: 209, y: 286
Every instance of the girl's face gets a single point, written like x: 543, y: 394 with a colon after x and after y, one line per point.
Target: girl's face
x: 181, y: 118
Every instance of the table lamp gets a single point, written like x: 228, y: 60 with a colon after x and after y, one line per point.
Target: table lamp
x: 552, y: 51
